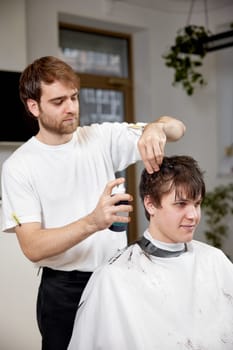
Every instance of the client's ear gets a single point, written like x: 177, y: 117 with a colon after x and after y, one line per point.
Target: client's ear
x: 149, y: 205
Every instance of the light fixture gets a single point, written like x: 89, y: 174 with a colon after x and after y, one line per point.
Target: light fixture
x: 219, y: 41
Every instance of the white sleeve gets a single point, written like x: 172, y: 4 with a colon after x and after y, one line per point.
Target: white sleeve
x: 18, y: 197
x: 123, y: 138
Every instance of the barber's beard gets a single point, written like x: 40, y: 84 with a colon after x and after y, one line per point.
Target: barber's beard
x: 63, y: 127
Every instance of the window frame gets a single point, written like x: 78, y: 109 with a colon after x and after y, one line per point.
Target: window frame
x: 124, y: 85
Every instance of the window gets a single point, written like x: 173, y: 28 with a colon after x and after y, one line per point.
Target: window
x: 103, y: 61
x: 94, y: 53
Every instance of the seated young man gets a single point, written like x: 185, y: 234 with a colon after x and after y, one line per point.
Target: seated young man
x: 166, y: 291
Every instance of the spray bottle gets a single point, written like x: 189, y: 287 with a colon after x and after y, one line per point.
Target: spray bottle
x: 119, y: 226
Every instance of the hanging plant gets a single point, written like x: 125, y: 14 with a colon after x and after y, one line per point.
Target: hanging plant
x: 186, y: 56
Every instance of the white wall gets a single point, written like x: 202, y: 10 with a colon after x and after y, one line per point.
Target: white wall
x: 19, y: 285
x: 28, y: 29
x: 12, y: 35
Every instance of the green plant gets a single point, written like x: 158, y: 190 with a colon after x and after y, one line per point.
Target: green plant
x: 186, y: 55
x: 217, y: 205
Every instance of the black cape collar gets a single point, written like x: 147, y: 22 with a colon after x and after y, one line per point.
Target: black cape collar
x: 151, y: 249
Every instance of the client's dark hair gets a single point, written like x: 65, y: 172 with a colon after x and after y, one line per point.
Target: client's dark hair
x: 181, y: 173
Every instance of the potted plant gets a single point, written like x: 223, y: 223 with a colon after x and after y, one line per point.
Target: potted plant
x: 186, y: 55
x: 217, y: 206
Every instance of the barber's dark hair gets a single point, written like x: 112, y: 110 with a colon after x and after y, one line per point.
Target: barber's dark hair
x: 181, y: 173
x: 46, y: 69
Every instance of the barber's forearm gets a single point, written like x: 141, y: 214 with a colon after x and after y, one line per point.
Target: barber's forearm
x: 173, y: 128
x: 153, y: 139
x: 38, y: 244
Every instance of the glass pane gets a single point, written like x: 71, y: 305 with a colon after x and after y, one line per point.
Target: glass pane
x: 98, y: 105
x: 94, y: 53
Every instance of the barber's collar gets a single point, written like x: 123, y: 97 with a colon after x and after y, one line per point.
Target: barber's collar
x: 160, y: 249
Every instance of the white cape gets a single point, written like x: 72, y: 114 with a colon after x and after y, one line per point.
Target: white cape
x: 138, y: 302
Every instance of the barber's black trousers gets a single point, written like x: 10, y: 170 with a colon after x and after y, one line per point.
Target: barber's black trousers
x: 57, y: 303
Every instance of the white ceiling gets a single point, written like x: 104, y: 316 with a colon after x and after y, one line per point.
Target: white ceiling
x: 180, y: 6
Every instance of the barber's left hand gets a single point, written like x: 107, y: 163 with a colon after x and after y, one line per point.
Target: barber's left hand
x: 151, y: 146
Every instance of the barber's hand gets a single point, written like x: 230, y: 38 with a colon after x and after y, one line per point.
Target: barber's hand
x: 105, y: 212
x: 151, y: 146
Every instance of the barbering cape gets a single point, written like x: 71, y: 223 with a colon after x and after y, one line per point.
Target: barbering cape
x: 140, y: 302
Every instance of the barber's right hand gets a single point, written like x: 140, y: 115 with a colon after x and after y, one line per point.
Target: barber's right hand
x: 106, y: 210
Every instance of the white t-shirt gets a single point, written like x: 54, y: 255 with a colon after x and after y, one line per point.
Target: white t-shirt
x: 142, y: 302
x: 56, y: 185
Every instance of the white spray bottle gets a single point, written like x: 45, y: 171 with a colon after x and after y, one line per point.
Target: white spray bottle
x: 119, y: 226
